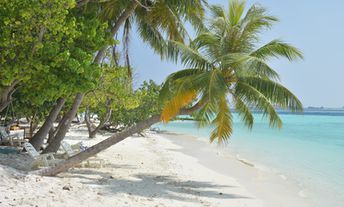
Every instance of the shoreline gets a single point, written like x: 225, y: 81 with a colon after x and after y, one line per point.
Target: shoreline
x: 157, y: 170
x: 274, y: 189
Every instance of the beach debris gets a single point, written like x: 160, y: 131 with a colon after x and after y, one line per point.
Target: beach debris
x: 67, y: 187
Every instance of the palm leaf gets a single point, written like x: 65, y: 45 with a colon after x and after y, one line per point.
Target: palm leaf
x: 173, y: 106
x: 244, y: 112
x: 254, y: 22
x: 255, y: 98
x: 275, y: 92
x: 170, y: 83
x: 236, y: 10
x: 153, y: 37
x: 189, y: 56
x: 223, y: 122
x: 277, y: 48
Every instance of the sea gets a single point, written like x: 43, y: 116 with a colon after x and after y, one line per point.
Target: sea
x: 308, y: 149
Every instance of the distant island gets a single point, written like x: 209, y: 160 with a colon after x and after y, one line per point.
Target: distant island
x: 324, y: 108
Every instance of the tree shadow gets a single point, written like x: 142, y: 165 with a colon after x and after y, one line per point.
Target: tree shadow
x: 154, y: 186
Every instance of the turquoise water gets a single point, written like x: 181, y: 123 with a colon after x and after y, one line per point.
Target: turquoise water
x: 309, y: 149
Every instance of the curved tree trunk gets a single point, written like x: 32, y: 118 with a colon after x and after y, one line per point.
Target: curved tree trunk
x: 64, y: 125
x: 114, y: 139
x: 6, y: 95
x: 89, y: 124
x: 38, y: 139
x: 93, y: 130
x: 120, y: 21
x: 97, y: 60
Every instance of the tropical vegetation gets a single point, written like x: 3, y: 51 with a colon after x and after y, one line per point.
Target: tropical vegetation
x: 60, y: 60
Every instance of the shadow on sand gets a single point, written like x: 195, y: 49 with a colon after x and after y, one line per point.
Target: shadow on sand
x: 154, y: 186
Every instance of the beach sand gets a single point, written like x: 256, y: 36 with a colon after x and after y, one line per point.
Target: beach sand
x: 156, y: 170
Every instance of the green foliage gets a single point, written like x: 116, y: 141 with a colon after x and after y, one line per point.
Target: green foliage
x: 23, y: 25
x: 224, y: 61
x: 156, y: 21
x: 147, y: 97
x: 49, y: 46
x: 114, y: 91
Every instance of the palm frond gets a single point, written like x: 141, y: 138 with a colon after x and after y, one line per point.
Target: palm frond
x: 222, y: 122
x: 253, y: 66
x: 236, y: 10
x: 190, y: 57
x: 275, y: 92
x: 111, y: 10
x: 278, y: 48
x: 153, y: 37
x: 216, y: 86
x: 217, y: 11
x: 173, y: 106
x: 205, y: 115
x: 255, y: 98
x: 255, y: 21
x: 244, y: 111
x: 169, y: 22
x: 169, y: 84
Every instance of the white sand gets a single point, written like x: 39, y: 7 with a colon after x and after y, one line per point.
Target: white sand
x: 159, y: 170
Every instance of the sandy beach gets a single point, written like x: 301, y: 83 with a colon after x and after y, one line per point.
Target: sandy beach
x: 155, y: 170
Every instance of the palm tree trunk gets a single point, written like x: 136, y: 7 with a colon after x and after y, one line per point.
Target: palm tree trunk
x: 64, y: 126
x: 97, y: 60
x: 114, y: 139
x: 38, y: 139
x: 120, y: 21
x: 51, y: 134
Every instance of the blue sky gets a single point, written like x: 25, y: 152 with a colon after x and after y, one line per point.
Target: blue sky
x: 316, y: 27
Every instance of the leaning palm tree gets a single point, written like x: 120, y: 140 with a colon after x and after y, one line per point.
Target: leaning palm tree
x: 226, y: 70
x: 157, y: 22
x: 223, y: 65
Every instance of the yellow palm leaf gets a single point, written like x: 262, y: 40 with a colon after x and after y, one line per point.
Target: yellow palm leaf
x: 173, y: 106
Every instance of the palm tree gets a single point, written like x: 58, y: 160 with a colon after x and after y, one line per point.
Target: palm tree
x: 157, y: 22
x: 226, y: 70
x: 222, y: 63
x: 225, y: 67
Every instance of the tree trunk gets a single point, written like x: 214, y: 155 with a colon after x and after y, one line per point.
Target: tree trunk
x: 114, y: 139
x: 101, y: 53
x: 53, y: 147
x: 6, y: 95
x: 64, y: 126
x: 103, y: 122
x: 88, y: 121
x: 92, y: 130
x: 33, y: 127
x: 38, y: 139
x: 124, y: 16
x: 51, y: 134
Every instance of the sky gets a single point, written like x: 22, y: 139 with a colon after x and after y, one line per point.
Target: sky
x: 316, y: 27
